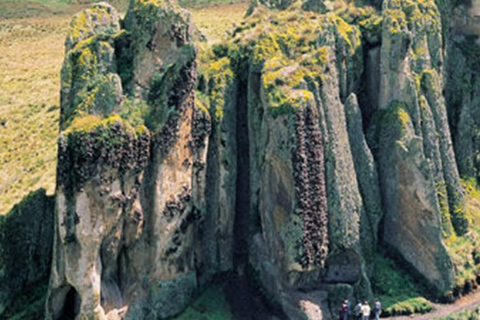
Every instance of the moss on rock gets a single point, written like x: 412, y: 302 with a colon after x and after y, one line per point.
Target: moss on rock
x: 92, y: 143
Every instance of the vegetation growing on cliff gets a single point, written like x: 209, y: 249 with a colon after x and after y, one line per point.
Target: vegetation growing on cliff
x: 291, y: 51
x: 211, y: 305
x: 464, y: 249
x: 397, y: 290
x: 91, y: 142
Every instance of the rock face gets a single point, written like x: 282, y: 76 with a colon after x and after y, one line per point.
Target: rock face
x: 129, y: 196
x: 310, y: 223
x: 466, y: 18
x: 420, y: 176
x: 462, y: 86
x: 276, y: 172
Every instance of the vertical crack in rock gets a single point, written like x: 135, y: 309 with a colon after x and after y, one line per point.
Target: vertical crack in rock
x: 243, y: 219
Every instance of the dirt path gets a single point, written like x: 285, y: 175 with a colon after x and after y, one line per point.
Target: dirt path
x: 468, y: 302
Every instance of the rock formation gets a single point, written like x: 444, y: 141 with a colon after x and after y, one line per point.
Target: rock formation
x: 129, y: 195
x: 315, y: 135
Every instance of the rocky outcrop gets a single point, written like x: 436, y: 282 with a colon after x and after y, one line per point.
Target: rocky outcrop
x: 310, y: 225
x: 411, y: 97
x: 129, y: 195
x: 462, y: 85
x: 466, y: 17
x: 266, y: 175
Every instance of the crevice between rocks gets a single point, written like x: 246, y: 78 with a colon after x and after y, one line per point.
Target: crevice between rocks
x: 242, y: 197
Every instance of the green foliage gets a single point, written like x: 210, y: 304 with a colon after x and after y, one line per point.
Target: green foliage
x: 289, y: 51
x: 26, y: 240
x: 220, y: 77
x: 397, y: 290
x: 211, y: 305
x: 464, y: 249
x: 134, y: 111
x: 29, y: 304
x: 366, y: 18
x: 87, y: 85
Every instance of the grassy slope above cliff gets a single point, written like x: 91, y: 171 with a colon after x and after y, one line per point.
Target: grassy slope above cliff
x: 32, y: 54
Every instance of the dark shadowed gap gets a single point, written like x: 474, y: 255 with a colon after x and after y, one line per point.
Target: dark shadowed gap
x: 242, y: 197
x: 71, y: 307
x: 247, y: 298
x: 369, y: 88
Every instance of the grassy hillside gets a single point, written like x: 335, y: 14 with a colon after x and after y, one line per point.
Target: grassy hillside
x: 32, y: 53
x: 34, y: 8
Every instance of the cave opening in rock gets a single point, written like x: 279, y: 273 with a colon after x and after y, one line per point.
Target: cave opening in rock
x: 71, y: 307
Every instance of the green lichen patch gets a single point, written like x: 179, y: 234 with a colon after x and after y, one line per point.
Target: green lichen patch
x: 367, y: 18
x: 418, y: 14
x: 145, y: 17
x: 220, y: 77
x: 169, y: 88
x: 99, y: 19
x: 447, y: 227
x: 290, y: 49
x: 395, y: 122
x: 89, y: 80
x: 417, y: 25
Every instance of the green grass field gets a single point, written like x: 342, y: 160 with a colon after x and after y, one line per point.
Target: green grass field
x: 32, y: 35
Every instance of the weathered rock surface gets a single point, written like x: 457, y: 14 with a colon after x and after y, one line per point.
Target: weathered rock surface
x: 128, y: 198
x: 462, y: 85
x: 312, y: 220
x: 466, y: 18
x: 421, y: 174
x: 266, y: 177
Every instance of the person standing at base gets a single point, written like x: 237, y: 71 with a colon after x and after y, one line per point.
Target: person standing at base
x: 357, y: 311
x: 349, y: 308
x: 366, y: 311
x: 343, y: 312
x: 377, y: 309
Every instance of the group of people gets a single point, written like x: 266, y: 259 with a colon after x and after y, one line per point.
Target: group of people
x: 362, y: 311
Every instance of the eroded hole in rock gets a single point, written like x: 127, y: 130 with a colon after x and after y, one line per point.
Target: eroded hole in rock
x: 71, y: 308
